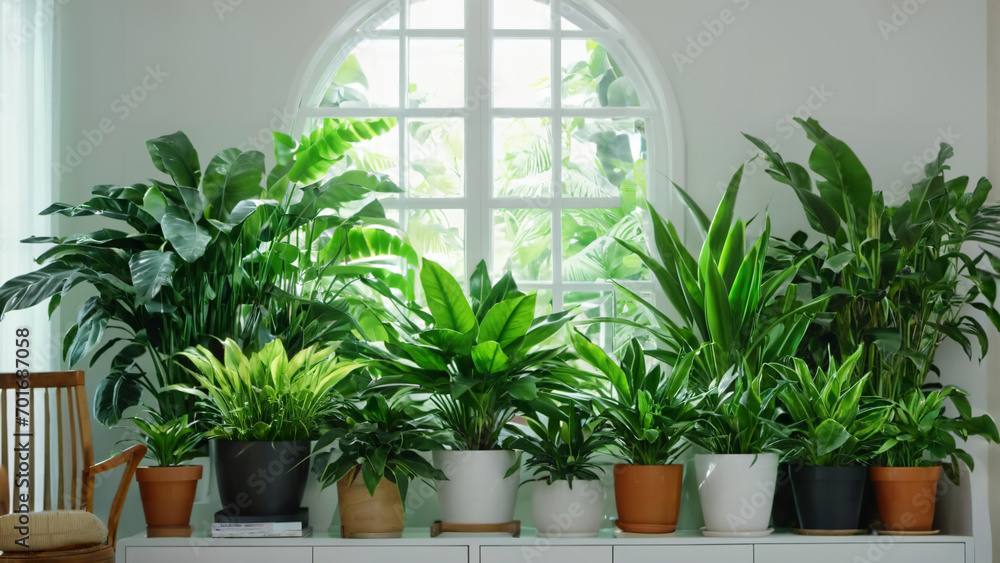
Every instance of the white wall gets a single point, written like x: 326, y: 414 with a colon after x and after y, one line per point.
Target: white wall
x: 891, y: 83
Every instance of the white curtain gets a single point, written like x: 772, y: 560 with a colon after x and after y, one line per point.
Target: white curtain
x: 27, y: 145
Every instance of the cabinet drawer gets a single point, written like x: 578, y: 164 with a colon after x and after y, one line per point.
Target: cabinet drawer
x: 686, y: 553
x: 543, y: 553
x: 392, y: 554
x: 883, y: 550
x: 219, y: 554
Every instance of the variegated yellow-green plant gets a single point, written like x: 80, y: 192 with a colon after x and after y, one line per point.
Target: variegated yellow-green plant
x: 266, y: 396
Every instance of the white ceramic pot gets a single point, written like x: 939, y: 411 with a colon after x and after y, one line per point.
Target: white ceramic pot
x: 476, y: 491
x: 737, y: 491
x: 564, y: 512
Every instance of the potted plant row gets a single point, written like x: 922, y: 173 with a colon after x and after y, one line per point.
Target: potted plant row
x: 270, y: 298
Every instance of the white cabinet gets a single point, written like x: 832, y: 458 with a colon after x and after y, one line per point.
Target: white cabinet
x: 200, y: 554
x: 884, y: 551
x: 545, y: 552
x: 685, y: 553
x: 391, y: 554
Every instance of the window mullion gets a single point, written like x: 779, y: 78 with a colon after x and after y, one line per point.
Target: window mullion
x: 404, y: 80
x: 555, y: 79
x: 478, y: 181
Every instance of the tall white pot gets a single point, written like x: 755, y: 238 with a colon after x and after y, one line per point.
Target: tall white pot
x: 476, y: 491
x: 564, y: 512
x: 736, y: 491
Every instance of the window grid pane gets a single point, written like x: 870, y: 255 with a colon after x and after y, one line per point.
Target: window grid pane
x: 483, y: 174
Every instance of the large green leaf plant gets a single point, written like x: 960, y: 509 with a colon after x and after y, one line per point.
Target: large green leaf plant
x: 481, y: 357
x: 228, y: 251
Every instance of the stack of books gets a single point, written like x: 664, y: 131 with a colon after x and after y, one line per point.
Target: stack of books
x: 260, y: 530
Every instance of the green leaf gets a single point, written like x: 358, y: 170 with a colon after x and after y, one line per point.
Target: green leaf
x: 35, y: 287
x: 836, y: 162
x: 837, y: 262
x: 488, y: 357
x: 231, y: 177
x: 155, y: 203
x: 174, y: 155
x: 445, y: 299
x: 189, y: 240
x: 151, y: 270
x: 116, y: 393
x: 830, y: 435
x: 508, y: 320
x: 597, y: 357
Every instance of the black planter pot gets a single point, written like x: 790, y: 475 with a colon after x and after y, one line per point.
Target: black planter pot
x: 261, y: 478
x: 829, y: 498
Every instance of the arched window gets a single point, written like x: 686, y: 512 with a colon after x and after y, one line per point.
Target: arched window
x: 528, y: 136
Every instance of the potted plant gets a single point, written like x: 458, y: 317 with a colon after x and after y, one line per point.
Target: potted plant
x: 263, y: 410
x: 904, y: 273
x: 560, y: 445
x: 836, y: 430
x: 650, y: 413
x: 377, y: 443
x: 482, y: 359
x: 168, y: 489
x: 225, y: 251
x: 919, y: 438
x: 738, y: 425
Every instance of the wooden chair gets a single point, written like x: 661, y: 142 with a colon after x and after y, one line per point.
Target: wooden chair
x: 61, y: 458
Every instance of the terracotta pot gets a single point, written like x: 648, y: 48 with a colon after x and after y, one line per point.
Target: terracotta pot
x: 167, y: 498
x: 369, y: 516
x: 906, y: 497
x: 648, y: 497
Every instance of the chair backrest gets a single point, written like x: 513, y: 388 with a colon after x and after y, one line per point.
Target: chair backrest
x: 51, y: 418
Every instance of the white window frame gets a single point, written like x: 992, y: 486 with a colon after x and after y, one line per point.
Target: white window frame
x: 659, y: 110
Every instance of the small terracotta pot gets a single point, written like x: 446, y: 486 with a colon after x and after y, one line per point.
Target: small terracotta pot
x: 906, y: 497
x: 648, y: 497
x: 369, y: 516
x: 167, y: 498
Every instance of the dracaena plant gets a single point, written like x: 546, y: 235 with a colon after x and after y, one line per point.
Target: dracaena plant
x: 739, y: 413
x: 379, y: 438
x: 482, y: 357
x: 904, y: 271
x: 919, y: 434
x: 269, y: 395
x: 651, y: 411
x: 230, y: 251
x: 562, y: 440
x: 170, y: 442
x: 834, y: 422
x: 727, y: 295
